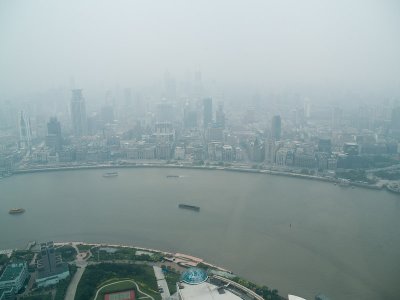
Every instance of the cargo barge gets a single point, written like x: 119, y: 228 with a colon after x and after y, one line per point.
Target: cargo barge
x: 15, y: 211
x: 110, y: 174
x: 190, y: 207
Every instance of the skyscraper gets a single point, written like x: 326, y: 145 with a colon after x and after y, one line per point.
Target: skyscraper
x: 25, y: 131
x: 276, y: 128
x: 220, y: 116
x: 395, y: 122
x: 395, y: 118
x: 78, y: 113
x: 51, y: 269
x: 189, y: 116
x: 53, y: 138
x: 207, y: 111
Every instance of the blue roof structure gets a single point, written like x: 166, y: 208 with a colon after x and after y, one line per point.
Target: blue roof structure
x: 194, y: 276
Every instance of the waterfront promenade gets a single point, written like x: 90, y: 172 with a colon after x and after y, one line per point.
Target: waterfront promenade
x: 234, y: 168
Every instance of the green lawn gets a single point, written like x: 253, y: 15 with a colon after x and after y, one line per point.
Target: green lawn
x: 96, y: 276
x: 122, y: 286
x: 83, y: 248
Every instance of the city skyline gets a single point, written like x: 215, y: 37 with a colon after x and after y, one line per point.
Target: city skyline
x: 308, y: 46
x: 178, y: 150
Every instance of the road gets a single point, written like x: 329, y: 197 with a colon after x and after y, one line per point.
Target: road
x: 81, y: 263
x: 161, y: 282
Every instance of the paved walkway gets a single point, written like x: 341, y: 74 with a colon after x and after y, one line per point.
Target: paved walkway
x: 126, y: 280
x: 239, y: 286
x: 81, y: 263
x: 161, y: 282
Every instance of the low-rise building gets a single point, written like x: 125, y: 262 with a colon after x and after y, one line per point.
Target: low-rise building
x: 7, y: 294
x: 179, y: 153
x: 14, y: 276
x: 196, y: 284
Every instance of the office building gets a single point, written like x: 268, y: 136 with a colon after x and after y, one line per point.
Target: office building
x: 164, y: 132
x: 276, y: 128
x: 107, y: 114
x: 165, y: 112
x: 207, y: 112
x: 189, y: 117
x: 14, y: 276
x: 351, y: 149
x: 53, y: 138
x: 78, y: 113
x: 324, y: 145
x: 25, y: 131
x: 51, y: 268
x: 7, y: 294
x: 220, y: 116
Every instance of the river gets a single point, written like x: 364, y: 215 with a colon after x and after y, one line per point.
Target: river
x: 298, y: 236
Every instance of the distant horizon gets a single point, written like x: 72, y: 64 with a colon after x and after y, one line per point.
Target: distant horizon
x: 307, y: 47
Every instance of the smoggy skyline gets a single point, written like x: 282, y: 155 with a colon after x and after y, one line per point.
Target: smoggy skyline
x: 345, y: 45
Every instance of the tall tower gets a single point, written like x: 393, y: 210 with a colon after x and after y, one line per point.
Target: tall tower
x: 220, y: 115
x: 276, y: 128
x: 25, y: 131
x: 207, y: 111
x: 78, y: 113
x: 54, y: 138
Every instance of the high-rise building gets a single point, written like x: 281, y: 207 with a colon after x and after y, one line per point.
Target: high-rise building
x: 269, y: 147
x: 53, y: 138
x: 169, y: 87
x: 324, y: 145
x: 107, y: 114
x: 25, y: 131
x: 220, y: 116
x: 337, y: 115
x: 189, y: 116
x: 395, y: 122
x: 395, y: 119
x: 165, y: 111
x: 307, y: 108
x: 78, y: 113
x: 207, y: 111
x: 51, y: 268
x: 276, y: 128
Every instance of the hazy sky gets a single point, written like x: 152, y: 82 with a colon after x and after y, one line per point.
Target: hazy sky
x: 341, y: 44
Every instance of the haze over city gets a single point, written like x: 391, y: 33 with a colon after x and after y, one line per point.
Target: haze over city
x: 214, y: 150
x: 306, y: 46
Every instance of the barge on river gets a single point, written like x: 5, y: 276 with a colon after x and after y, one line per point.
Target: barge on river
x: 190, y: 207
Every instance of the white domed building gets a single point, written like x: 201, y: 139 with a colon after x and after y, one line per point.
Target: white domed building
x: 196, y: 284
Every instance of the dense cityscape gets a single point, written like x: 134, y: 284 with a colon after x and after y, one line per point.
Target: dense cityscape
x: 199, y: 150
x: 284, y: 133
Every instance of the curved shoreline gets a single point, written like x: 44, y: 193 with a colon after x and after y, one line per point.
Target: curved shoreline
x: 143, y: 249
x: 208, y: 168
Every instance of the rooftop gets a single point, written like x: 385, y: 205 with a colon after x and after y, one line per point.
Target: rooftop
x: 205, y: 291
x: 194, y: 276
x: 63, y: 267
x: 12, y: 271
x: 293, y: 297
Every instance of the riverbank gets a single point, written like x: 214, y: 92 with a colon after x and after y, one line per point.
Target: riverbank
x: 393, y: 188
x: 155, y: 251
x: 208, y: 168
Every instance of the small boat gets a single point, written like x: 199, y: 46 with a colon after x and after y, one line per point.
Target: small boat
x: 344, y: 182
x: 172, y: 176
x: 110, y: 174
x: 191, y: 207
x: 15, y: 211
